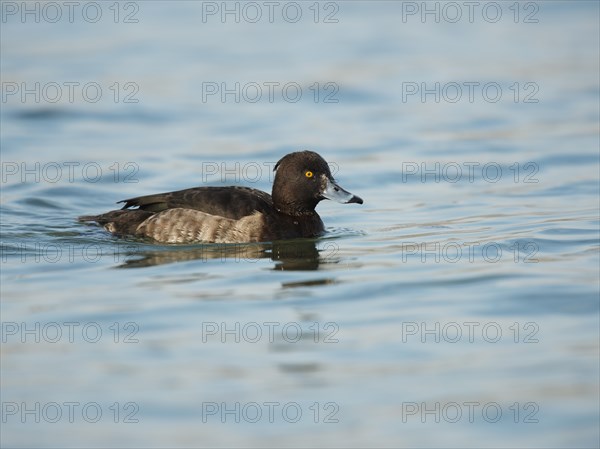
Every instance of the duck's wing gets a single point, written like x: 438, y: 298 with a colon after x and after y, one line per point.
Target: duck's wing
x: 228, y: 202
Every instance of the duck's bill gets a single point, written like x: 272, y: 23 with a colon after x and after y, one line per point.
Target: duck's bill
x: 336, y: 193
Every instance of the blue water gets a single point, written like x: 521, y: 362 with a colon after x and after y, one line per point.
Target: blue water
x: 458, y: 307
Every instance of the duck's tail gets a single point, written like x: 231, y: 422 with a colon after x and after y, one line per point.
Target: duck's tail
x: 119, y: 222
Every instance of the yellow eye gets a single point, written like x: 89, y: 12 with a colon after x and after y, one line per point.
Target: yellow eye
x: 308, y: 174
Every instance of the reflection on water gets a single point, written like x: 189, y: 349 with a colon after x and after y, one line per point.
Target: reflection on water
x: 293, y: 255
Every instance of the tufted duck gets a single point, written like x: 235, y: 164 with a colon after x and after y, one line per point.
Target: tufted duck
x: 234, y: 214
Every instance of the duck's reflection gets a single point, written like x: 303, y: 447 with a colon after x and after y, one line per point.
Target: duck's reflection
x: 293, y: 255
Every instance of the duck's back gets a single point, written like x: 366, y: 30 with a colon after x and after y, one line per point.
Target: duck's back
x: 227, y: 202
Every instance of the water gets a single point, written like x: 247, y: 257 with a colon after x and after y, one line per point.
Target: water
x: 458, y: 307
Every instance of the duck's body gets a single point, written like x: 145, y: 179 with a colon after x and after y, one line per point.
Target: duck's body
x: 234, y: 214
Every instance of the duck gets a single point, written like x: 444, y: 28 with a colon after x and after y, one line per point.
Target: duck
x: 234, y: 214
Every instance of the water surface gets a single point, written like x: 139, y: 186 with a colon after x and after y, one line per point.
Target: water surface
x: 458, y: 307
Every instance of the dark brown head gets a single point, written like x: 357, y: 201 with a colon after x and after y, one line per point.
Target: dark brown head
x: 303, y: 179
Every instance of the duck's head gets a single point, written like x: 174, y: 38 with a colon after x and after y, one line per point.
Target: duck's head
x: 302, y: 179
